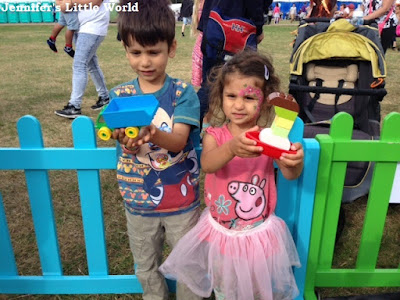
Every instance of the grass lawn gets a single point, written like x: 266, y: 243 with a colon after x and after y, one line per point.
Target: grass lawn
x: 37, y: 81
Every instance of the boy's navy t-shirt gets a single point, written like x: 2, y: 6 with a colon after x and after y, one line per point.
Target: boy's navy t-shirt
x: 157, y: 182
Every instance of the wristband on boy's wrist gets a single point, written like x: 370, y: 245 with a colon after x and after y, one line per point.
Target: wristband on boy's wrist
x: 127, y: 150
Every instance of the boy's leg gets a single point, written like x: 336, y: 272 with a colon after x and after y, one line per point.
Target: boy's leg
x: 176, y: 227
x: 51, y: 41
x: 146, y: 239
x: 72, y: 26
x: 69, y: 35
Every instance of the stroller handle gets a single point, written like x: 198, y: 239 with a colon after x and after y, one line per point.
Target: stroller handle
x: 381, y: 92
x: 329, y: 20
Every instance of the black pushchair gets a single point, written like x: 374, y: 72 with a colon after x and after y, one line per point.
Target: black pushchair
x: 336, y: 66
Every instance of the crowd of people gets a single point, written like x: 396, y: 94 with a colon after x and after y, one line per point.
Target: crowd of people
x: 237, y: 247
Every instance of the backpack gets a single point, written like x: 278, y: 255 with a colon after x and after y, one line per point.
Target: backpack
x: 224, y: 36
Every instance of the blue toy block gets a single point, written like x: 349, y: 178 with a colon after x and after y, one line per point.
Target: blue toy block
x: 130, y: 111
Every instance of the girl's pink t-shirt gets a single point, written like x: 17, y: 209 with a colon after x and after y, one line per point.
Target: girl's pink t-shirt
x: 242, y: 194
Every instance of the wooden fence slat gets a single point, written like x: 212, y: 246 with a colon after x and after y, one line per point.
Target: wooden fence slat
x: 342, y: 131
x: 378, y: 201
x: 324, y: 170
x: 375, y: 215
x: 92, y: 208
x: 8, y: 266
x: 290, y: 215
x: 306, y: 192
x: 38, y: 185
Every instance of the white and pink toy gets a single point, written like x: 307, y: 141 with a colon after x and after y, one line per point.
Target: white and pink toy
x: 275, y: 139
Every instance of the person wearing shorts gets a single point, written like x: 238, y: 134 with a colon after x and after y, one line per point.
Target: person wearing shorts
x: 70, y: 20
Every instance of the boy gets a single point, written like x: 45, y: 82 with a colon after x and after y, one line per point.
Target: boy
x: 157, y: 172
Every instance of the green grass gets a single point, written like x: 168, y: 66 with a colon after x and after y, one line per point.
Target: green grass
x: 36, y: 81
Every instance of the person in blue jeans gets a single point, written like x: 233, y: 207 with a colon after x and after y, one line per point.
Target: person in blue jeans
x: 93, y: 29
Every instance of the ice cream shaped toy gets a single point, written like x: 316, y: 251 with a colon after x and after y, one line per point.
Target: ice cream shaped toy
x: 275, y: 139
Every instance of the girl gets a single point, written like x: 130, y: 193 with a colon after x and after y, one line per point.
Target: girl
x: 277, y: 13
x: 239, y: 248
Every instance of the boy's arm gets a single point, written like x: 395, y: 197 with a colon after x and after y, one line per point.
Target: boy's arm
x: 291, y: 165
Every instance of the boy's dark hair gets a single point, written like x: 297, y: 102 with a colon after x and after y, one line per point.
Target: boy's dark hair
x: 152, y: 23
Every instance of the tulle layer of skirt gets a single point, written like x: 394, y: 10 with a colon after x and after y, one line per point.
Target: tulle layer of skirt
x: 238, y: 265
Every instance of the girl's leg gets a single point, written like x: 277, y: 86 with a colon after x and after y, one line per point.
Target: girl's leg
x: 175, y: 228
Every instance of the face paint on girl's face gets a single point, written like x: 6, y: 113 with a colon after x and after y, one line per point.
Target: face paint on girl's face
x: 253, y: 92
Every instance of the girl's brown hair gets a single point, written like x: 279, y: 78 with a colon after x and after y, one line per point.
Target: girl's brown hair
x: 246, y: 63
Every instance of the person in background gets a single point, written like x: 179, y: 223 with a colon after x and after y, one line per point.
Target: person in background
x: 186, y: 14
x: 253, y: 10
x: 197, y: 55
x: 293, y: 13
x: 383, y: 12
x: 92, y: 31
x: 277, y: 13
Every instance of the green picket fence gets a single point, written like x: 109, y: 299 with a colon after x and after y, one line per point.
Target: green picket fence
x: 337, y: 149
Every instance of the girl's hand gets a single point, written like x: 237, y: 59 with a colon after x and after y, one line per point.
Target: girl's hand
x: 244, y: 147
x: 291, y: 165
x: 293, y: 160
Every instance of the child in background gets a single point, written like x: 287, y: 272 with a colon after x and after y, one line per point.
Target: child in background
x: 157, y: 172
x: 239, y: 248
x: 69, y: 19
x: 277, y: 13
x: 197, y: 55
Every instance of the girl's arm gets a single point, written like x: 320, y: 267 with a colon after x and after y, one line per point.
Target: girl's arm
x: 173, y: 141
x: 291, y: 165
x: 214, y: 157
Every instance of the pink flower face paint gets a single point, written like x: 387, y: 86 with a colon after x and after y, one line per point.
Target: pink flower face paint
x: 255, y: 93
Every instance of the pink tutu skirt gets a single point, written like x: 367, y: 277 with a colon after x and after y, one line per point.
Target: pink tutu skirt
x: 238, y: 265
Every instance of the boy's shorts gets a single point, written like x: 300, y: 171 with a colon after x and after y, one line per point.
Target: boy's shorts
x: 70, y: 20
x: 187, y: 21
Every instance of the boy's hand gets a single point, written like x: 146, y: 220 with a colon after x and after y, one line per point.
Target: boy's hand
x: 119, y: 135
x: 244, y: 147
x: 145, y: 135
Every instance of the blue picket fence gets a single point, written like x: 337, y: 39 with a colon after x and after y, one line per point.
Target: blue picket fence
x: 295, y: 206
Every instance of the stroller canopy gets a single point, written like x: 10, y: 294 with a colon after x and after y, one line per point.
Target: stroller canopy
x: 337, y: 40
